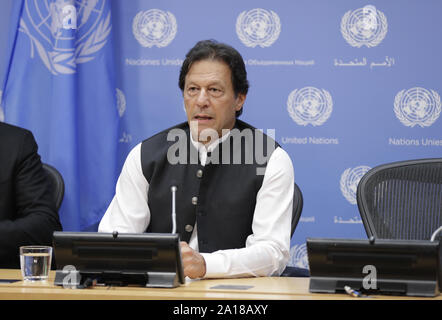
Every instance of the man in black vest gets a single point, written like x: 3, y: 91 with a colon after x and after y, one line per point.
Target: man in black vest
x: 234, y: 183
x: 27, y: 210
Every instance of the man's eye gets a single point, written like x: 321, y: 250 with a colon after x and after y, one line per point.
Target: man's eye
x: 192, y: 90
x: 215, y: 91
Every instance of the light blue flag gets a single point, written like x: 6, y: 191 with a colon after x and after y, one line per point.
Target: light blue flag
x: 59, y: 82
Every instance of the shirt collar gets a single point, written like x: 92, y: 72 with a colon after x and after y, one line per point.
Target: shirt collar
x: 202, y: 148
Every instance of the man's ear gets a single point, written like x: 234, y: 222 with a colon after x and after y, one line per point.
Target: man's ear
x: 240, y: 99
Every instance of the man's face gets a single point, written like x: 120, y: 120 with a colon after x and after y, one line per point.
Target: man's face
x: 209, y: 98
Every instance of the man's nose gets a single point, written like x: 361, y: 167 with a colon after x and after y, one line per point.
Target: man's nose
x: 203, y: 98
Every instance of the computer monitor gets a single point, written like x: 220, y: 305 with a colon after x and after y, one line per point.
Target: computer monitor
x: 146, y: 259
x: 395, y: 267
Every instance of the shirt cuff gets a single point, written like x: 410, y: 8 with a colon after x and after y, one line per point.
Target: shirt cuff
x: 214, y: 265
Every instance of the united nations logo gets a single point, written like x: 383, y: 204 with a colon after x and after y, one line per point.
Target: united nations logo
x: 154, y: 28
x: 417, y: 106
x: 365, y: 26
x: 121, y: 102
x: 350, y: 180
x: 258, y: 27
x: 65, y: 35
x: 309, y: 105
x: 298, y: 256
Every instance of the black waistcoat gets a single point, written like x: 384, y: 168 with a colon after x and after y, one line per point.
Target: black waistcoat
x: 219, y: 196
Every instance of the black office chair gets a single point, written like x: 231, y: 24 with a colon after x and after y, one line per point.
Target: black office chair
x: 402, y: 200
x: 57, y: 184
x: 298, y: 203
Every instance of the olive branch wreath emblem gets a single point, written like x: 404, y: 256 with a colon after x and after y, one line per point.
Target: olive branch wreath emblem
x: 66, y: 62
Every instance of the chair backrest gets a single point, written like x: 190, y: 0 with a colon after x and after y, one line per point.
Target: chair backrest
x: 57, y: 183
x: 402, y: 200
x: 298, y: 203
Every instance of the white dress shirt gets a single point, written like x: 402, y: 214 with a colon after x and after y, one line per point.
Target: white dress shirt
x: 267, y: 249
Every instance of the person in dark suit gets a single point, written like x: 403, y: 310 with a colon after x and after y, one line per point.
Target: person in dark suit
x: 28, y: 215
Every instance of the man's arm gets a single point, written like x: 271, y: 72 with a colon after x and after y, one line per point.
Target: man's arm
x: 267, y: 250
x: 128, y: 210
x: 35, y: 217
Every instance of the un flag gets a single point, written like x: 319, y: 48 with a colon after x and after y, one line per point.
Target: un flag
x: 59, y: 82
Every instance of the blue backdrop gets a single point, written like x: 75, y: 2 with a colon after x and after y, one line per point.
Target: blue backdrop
x: 346, y: 84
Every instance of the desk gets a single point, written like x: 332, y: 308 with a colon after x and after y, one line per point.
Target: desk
x: 266, y: 288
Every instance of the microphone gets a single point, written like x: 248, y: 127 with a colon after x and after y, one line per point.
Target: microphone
x: 173, y: 189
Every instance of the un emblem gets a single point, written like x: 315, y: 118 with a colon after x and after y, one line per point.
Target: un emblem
x: 365, y: 26
x: 298, y: 256
x: 350, y: 180
x: 417, y: 106
x: 309, y: 105
x: 258, y: 27
x: 65, y: 35
x: 154, y: 28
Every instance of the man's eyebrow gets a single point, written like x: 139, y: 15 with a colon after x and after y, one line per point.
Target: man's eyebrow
x: 209, y: 83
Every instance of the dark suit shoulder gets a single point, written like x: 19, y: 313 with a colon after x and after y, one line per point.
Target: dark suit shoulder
x: 158, y: 144
x: 241, y: 125
x: 154, y: 149
x: 16, y: 141
x: 9, y: 131
x: 160, y: 135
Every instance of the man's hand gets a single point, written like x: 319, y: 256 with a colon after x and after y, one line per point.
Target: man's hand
x: 194, y: 264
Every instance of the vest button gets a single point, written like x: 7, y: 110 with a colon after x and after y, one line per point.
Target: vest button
x: 188, y: 228
x: 199, y: 173
x: 194, y: 200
